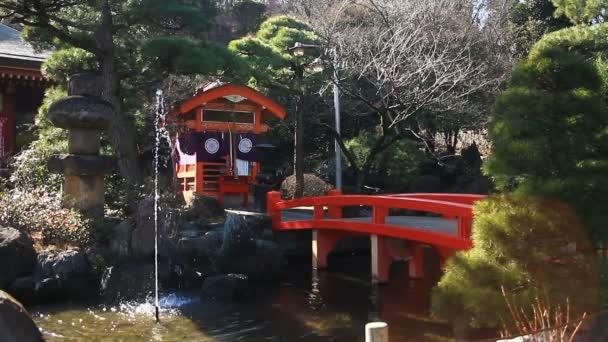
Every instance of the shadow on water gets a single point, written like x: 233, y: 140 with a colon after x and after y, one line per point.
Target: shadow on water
x: 306, y: 306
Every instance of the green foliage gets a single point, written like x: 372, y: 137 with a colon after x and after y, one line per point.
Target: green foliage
x: 581, y: 11
x: 587, y: 41
x: 266, y: 58
x: 249, y: 14
x: 395, y: 167
x: 66, y: 62
x: 39, y: 212
x: 526, y: 245
x: 29, y: 166
x: 530, y: 20
x: 184, y: 55
x: 550, y: 135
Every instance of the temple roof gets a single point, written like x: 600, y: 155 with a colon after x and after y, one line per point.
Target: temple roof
x: 234, y: 93
x: 13, y: 47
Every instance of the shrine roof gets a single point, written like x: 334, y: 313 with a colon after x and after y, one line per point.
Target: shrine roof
x: 218, y: 90
x: 13, y: 47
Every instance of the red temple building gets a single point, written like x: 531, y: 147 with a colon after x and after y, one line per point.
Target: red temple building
x: 219, y: 130
x: 21, y: 89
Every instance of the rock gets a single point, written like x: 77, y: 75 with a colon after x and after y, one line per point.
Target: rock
x: 24, y: 289
x: 62, y: 264
x: 142, y: 236
x: 207, y: 245
x: 49, y: 289
x: 120, y: 240
x: 15, y: 323
x: 17, y: 255
x: 80, y: 165
x: 227, y: 287
x: 202, y: 207
x: 132, y: 281
x: 79, y: 111
x: 241, y: 228
x: 97, y: 260
x: 260, y: 260
x: 426, y: 183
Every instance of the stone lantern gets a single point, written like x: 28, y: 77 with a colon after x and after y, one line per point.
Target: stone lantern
x: 85, y: 115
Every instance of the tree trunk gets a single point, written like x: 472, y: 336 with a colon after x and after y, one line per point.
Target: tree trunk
x: 122, y: 131
x: 299, y: 152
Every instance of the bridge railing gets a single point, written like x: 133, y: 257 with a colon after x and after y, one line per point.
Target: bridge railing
x: 458, y: 207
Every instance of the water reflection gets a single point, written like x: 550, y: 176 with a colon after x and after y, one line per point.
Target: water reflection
x: 309, y: 306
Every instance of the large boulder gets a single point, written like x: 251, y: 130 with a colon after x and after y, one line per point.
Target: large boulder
x: 119, y: 244
x: 17, y: 255
x: 15, y: 323
x: 243, y: 249
x: 206, y: 246
x: 142, y: 236
x: 226, y: 286
x: 132, y: 281
x: 201, y: 207
x: 61, y: 275
x: 259, y: 260
x: 241, y: 228
x: 62, y: 264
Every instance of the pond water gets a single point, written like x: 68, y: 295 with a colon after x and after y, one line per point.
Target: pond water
x: 306, y: 306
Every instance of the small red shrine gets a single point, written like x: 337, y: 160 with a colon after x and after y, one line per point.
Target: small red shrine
x: 218, y: 129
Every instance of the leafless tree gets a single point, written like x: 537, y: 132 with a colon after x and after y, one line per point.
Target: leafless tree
x: 403, y: 59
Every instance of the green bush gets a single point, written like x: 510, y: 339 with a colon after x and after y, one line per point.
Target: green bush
x: 524, y: 244
x: 550, y: 135
x: 396, y: 167
x: 39, y: 213
x: 29, y: 169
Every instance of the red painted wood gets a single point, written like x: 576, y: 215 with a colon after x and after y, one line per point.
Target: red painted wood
x: 456, y: 198
x: 402, y: 232
x: 433, y: 206
x: 416, y: 264
x: 231, y: 89
x: 385, y: 260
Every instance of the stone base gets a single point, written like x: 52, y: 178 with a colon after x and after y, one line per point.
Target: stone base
x: 83, y: 192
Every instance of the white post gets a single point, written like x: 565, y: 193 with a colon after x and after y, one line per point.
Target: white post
x: 315, y: 249
x: 376, y: 332
x: 375, y: 254
x: 337, y: 149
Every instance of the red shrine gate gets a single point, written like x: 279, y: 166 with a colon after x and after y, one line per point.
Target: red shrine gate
x: 216, y: 144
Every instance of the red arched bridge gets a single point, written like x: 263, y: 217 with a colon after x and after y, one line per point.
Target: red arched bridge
x: 392, y: 237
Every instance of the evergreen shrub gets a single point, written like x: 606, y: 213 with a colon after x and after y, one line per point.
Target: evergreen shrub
x: 533, y: 247
x: 549, y: 134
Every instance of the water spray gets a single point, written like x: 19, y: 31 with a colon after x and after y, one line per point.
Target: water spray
x: 157, y: 122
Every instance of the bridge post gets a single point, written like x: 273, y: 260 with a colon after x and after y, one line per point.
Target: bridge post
x: 381, y: 259
x: 335, y: 212
x: 272, y: 198
x: 323, y: 242
x: 416, y: 264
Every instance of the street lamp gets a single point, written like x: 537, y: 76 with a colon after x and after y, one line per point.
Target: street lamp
x: 298, y: 50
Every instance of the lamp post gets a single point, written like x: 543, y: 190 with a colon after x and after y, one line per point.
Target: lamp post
x: 298, y: 50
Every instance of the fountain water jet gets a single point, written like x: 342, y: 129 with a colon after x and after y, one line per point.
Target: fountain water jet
x: 160, y: 109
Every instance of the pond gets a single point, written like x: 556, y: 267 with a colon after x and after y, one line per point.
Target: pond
x: 305, y: 306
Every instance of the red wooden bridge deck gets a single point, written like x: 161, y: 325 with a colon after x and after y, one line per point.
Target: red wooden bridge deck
x: 391, y: 237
